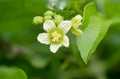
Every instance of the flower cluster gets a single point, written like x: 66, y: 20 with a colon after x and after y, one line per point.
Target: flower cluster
x: 56, y: 29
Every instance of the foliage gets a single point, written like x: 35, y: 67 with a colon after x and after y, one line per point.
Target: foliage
x: 95, y: 27
x: 11, y: 73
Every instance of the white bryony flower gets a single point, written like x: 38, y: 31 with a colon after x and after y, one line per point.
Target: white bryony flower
x: 56, y: 35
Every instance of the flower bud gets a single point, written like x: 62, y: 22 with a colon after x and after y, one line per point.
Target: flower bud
x: 76, y: 21
x: 47, y: 17
x: 37, y: 20
x: 49, y: 13
x: 76, y: 31
x: 58, y: 19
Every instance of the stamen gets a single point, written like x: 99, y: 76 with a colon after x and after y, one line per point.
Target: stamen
x: 56, y: 36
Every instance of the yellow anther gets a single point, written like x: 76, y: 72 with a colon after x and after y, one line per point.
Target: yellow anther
x: 55, y: 39
x: 56, y: 36
x: 59, y: 35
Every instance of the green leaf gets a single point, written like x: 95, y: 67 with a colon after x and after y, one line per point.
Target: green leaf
x: 11, y: 73
x: 109, y: 8
x: 94, y: 29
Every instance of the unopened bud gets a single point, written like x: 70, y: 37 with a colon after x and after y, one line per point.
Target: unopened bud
x: 58, y: 19
x: 49, y: 13
x: 76, y: 31
x: 76, y: 21
x: 37, y: 20
x: 47, y: 17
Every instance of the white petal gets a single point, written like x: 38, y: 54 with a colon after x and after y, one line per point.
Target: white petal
x: 48, y: 25
x: 65, y: 41
x: 54, y: 47
x: 65, y: 25
x: 43, y: 38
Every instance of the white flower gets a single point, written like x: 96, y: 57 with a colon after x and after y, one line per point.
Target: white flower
x: 56, y: 35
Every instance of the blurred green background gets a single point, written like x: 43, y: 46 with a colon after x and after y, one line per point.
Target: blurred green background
x: 20, y: 48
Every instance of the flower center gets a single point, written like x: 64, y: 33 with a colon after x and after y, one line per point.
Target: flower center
x: 56, y: 36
